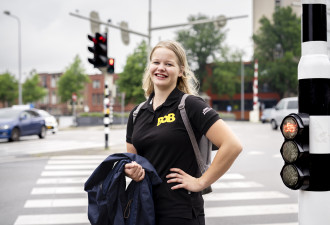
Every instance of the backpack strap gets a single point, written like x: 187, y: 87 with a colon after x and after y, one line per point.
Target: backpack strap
x: 191, y: 133
x: 136, y: 111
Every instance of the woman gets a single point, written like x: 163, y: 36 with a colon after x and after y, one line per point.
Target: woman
x: 159, y: 135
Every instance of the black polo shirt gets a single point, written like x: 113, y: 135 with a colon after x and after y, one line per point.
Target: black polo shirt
x: 161, y: 137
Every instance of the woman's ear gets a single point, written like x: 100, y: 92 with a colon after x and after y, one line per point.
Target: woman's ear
x: 181, y: 74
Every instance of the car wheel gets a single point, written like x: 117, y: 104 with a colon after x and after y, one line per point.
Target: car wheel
x: 15, y: 134
x: 42, y: 132
x: 273, y: 124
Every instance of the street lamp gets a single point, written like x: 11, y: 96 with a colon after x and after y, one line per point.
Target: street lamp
x: 19, y: 57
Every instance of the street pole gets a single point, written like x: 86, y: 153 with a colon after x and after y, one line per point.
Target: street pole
x: 254, y: 114
x: 242, y: 89
x: 19, y: 57
x: 149, y: 27
x: 106, y: 119
x: 314, y: 100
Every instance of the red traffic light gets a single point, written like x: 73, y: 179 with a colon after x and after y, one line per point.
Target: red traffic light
x: 295, y: 124
x: 102, y: 39
x: 91, y: 38
x: 111, y: 61
x: 290, y: 127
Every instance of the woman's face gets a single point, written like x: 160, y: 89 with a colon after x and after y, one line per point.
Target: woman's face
x: 164, y: 69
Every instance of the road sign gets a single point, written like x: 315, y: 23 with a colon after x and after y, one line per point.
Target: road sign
x: 124, y: 33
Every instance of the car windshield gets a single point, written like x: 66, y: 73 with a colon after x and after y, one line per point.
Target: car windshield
x: 43, y: 113
x: 9, y: 113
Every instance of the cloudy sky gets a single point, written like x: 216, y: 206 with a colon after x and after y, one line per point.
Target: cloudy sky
x: 51, y: 38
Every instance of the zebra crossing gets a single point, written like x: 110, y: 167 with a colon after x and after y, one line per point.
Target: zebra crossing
x: 58, y: 196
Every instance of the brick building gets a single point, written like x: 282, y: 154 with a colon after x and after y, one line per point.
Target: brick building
x: 91, y: 99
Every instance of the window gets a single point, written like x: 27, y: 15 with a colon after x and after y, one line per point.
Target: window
x: 277, y: 3
x: 54, y: 100
x: 53, y: 81
x: 293, y: 105
x: 280, y: 105
x: 44, y: 81
x: 96, y: 84
x: 97, y: 99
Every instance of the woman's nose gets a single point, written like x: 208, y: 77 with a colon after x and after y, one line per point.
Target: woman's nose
x: 161, y: 67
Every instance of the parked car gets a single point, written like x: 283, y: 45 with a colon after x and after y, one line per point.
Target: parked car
x: 50, y: 120
x: 266, y: 115
x: 283, y: 108
x: 17, y: 122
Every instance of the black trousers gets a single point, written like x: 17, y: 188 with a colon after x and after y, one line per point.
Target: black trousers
x: 199, y: 220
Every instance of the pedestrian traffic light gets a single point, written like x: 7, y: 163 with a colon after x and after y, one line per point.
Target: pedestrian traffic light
x: 99, y: 49
x: 295, y: 151
x: 111, y: 65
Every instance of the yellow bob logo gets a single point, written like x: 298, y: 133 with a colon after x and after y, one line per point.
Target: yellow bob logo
x: 166, y: 119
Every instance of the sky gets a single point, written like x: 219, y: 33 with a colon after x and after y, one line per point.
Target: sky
x: 51, y: 38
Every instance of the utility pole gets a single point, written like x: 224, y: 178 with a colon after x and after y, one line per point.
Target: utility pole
x: 314, y: 99
x: 20, y: 101
x: 306, y: 149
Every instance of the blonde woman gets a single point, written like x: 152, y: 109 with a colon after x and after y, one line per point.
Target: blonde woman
x: 159, y: 135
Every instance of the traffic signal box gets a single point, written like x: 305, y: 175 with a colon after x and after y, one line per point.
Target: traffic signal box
x: 302, y: 170
x: 111, y: 65
x: 99, y: 49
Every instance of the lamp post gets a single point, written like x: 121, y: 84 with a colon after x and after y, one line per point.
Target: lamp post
x: 19, y: 56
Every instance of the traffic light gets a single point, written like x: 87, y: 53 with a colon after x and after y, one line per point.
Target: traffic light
x: 302, y: 169
x: 111, y: 65
x: 295, y: 151
x: 99, y: 49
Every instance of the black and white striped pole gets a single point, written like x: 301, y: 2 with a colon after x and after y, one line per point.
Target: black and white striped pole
x: 314, y: 99
x: 106, y: 119
x: 306, y: 148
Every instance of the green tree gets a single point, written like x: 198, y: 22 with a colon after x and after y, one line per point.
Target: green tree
x: 73, y: 80
x: 203, y: 44
x: 32, y: 91
x: 8, y: 89
x: 278, y: 48
x: 225, y: 79
x: 130, y: 80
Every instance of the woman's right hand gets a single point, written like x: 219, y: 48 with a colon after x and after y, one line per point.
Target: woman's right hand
x: 134, y: 171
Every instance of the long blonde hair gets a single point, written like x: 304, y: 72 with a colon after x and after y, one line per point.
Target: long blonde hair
x: 187, y: 83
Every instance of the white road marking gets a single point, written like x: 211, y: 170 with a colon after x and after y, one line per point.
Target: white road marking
x: 244, y: 196
x: 251, y: 210
x: 70, y: 218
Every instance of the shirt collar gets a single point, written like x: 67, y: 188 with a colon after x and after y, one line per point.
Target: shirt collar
x: 172, y: 98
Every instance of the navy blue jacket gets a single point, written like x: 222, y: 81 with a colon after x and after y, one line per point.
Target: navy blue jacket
x: 109, y: 203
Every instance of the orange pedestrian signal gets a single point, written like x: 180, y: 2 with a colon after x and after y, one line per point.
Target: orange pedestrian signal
x: 111, y: 66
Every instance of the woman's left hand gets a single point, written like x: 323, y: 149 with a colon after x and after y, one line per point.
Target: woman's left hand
x: 185, y: 181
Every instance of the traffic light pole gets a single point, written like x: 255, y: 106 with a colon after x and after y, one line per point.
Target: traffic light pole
x: 106, y: 119
x: 314, y: 100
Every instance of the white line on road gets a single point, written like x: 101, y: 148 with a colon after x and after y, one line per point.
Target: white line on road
x: 66, y: 202
x: 71, y: 167
x: 251, y: 210
x: 256, y: 153
x: 72, y: 218
x: 244, y: 196
x: 71, y: 180
x: 67, y: 173
x: 78, y: 161
x: 237, y: 184
x: 57, y: 190
x: 276, y: 224
x: 232, y: 176
x: 99, y: 157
